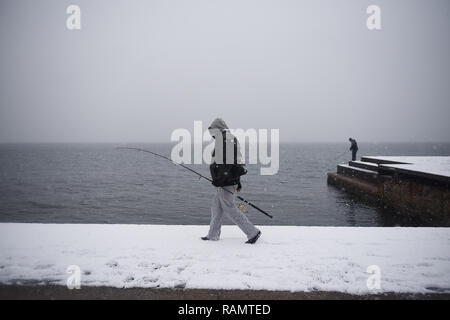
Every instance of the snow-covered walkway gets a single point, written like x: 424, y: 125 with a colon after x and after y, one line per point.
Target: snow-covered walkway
x: 285, y: 258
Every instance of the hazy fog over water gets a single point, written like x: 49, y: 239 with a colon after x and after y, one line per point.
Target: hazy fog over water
x: 137, y: 70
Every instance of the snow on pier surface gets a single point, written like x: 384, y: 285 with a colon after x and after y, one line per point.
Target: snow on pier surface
x: 285, y: 258
x: 437, y: 165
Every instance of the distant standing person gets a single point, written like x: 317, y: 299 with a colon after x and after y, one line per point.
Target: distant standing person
x: 353, y: 148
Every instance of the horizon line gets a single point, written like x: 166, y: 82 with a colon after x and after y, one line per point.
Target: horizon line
x: 205, y: 142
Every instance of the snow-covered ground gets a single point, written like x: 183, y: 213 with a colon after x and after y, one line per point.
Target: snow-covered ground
x: 436, y: 165
x: 285, y: 258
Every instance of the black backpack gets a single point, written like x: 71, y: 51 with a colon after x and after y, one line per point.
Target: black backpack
x: 227, y: 174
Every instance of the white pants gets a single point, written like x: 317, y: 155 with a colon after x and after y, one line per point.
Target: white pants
x: 224, y: 203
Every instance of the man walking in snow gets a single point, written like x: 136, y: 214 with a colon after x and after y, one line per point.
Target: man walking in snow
x: 226, y: 169
x: 353, y: 148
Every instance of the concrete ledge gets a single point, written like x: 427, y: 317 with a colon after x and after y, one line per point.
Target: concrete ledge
x: 356, y: 186
x: 381, y: 160
x: 435, y: 169
x: 363, y: 174
x: 364, y: 165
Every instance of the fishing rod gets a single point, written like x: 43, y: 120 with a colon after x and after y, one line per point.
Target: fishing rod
x: 199, y: 174
x: 340, y: 155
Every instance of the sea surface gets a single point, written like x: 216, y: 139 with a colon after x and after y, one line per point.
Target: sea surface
x: 97, y: 183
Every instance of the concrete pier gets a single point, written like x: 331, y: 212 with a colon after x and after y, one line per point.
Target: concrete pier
x: 414, y: 186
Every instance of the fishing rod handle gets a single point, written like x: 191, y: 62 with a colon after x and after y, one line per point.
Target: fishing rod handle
x: 252, y: 205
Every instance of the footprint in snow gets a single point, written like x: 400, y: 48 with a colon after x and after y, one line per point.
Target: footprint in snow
x: 150, y: 279
x: 180, y: 285
x: 159, y: 266
x: 112, y: 264
x: 143, y: 265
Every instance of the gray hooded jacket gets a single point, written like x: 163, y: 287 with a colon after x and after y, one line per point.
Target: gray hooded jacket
x: 219, y: 129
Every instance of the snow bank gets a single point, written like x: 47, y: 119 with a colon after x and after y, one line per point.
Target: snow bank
x: 285, y: 258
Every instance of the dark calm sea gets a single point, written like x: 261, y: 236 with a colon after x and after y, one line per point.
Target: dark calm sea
x: 96, y: 183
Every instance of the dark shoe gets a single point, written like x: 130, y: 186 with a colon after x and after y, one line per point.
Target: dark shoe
x: 205, y: 238
x: 255, y: 238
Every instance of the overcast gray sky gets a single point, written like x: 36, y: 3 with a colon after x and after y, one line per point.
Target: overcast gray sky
x: 137, y: 70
